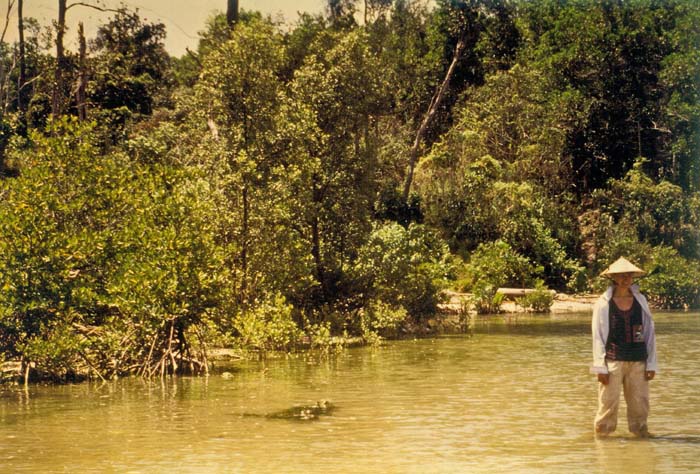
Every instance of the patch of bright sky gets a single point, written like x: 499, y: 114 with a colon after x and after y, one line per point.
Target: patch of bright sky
x: 183, y: 19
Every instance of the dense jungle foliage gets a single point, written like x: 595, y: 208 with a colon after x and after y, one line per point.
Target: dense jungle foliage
x: 281, y: 185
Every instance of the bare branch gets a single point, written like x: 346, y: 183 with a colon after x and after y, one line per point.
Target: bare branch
x: 10, y: 4
x: 89, y: 5
x: 432, y: 110
x: 194, y: 56
x: 656, y: 128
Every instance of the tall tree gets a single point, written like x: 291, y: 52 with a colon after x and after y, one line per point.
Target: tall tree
x: 62, y: 63
x: 22, y: 80
x: 232, y: 12
x: 131, y: 63
x: 59, y: 70
x: 610, y: 53
x: 345, y: 90
x: 80, y: 93
x: 4, y: 92
x: 239, y: 95
x: 341, y: 13
x: 374, y: 9
x: 679, y: 126
x: 435, y: 104
x: 5, y: 82
x: 458, y: 23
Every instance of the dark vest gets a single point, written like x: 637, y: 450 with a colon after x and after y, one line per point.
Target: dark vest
x: 626, y: 336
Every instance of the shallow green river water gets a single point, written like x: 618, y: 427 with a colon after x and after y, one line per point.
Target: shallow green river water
x: 514, y: 397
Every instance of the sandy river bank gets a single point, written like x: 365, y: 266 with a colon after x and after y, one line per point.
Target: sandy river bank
x: 563, y: 303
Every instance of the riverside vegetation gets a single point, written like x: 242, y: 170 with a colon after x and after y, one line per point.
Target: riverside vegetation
x: 284, y: 186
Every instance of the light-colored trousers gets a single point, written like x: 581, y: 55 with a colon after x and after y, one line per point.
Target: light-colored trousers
x: 627, y: 376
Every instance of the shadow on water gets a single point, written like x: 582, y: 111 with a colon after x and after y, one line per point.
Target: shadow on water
x: 679, y: 438
x: 654, y: 438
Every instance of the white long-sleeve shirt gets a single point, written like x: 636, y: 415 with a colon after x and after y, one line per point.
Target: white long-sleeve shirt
x: 601, y: 328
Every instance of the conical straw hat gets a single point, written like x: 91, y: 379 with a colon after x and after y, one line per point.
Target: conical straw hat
x: 622, y: 265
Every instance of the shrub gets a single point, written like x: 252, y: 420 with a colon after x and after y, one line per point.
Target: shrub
x: 530, y: 224
x: 104, y: 263
x: 485, y: 299
x: 268, y: 326
x: 539, y: 301
x: 57, y: 226
x: 381, y: 319
x: 320, y: 336
x: 496, y: 264
x: 673, y: 280
x: 404, y: 267
x: 658, y: 213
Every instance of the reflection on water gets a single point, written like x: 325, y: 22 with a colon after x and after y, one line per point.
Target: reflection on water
x: 514, y: 397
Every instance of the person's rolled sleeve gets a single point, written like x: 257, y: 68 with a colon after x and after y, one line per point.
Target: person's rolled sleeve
x: 599, y: 366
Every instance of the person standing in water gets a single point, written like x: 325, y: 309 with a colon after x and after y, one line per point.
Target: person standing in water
x: 624, y: 350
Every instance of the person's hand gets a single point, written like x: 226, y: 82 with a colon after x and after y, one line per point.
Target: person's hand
x: 604, y: 378
x: 649, y: 374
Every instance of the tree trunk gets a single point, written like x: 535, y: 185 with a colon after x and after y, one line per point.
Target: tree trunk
x: 232, y: 13
x: 80, y: 94
x: 244, y: 244
x: 60, y: 60
x: 316, y: 254
x: 432, y: 109
x: 4, y: 90
x: 22, y: 80
x: 316, y: 241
